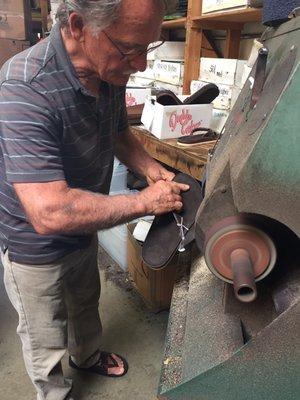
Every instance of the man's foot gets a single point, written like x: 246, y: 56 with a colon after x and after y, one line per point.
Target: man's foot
x: 109, y: 364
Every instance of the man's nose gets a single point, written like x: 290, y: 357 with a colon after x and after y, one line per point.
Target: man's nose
x: 139, y: 63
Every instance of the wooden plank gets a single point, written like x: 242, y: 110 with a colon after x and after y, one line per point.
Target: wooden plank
x: 241, y: 16
x: 212, y: 43
x: 232, y: 47
x: 174, y: 23
x: 206, y: 48
x: 215, y: 25
x: 14, y: 19
x: 10, y: 47
x: 44, y: 14
x: 190, y: 160
x: 193, y: 46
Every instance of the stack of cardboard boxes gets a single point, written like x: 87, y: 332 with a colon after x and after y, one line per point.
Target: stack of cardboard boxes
x: 229, y: 75
x: 165, y: 68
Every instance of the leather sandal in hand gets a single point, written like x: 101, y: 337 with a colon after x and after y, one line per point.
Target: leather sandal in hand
x: 168, y: 231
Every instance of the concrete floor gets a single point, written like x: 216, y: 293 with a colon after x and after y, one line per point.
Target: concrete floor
x: 130, y: 329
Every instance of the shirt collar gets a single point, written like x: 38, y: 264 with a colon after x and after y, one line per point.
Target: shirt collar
x: 65, y: 62
x: 63, y: 57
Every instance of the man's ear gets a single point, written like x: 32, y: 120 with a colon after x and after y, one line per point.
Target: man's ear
x: 76, y: 26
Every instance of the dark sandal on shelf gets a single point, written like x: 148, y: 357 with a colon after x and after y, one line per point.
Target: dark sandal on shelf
x: 106, y: 361
x: 167, y: 98
x: 205, y: 95
x: 207, y: 135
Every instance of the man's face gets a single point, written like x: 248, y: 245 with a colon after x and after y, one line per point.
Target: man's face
x: 139, y: 25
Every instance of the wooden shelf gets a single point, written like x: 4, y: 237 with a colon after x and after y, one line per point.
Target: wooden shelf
x: 236, y: 17
x: 190, y: 160
x: 174, y: 23
x: 232, y: 21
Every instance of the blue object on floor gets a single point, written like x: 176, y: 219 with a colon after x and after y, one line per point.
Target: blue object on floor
x: 277, y: 11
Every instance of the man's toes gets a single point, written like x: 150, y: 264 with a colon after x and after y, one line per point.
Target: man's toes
x: 117, y: 370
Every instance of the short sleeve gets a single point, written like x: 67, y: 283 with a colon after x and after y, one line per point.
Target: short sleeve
x: 29, y: 135
x: 123, y: 118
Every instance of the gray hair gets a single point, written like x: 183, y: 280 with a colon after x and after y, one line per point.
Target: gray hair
x: 98, y: 13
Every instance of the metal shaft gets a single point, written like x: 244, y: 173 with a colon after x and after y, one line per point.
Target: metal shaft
x: 243, y: 276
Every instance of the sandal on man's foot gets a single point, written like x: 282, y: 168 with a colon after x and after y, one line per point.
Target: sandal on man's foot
x: 106, y: 361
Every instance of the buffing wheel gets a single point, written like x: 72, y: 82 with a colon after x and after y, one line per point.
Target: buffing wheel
x: 234, y: 233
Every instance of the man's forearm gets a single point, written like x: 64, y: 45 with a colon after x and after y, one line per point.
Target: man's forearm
x: 88, y: 212
x: 76, y: 211
x: 54, y: 208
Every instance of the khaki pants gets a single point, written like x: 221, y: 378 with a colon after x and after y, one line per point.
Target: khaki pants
x: 58, y: 311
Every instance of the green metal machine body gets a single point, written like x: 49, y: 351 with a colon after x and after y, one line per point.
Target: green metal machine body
x: 217, y: 347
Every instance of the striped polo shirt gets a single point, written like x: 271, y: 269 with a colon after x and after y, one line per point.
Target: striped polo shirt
x: 51, y: 128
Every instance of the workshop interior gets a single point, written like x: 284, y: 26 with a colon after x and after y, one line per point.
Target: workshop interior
x: 218, y: 104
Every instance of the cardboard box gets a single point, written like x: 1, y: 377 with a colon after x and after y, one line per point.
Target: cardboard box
x: 219, y: 118
x: 136, y: 95
x: 227, y: 97
x: 168, y: 51
x: 148, y: 73
x: 169, y: 72
x: 13, y: 27
x: 114, y: 242
x: 12, y: 6
x: 218, y: 5
x: 9, y: 47
x: 222, y: 71
x: 140, y: 82
x: 155, y: 286
x: 167, y: 122
x: 167, y: 86
x: 13, y: 17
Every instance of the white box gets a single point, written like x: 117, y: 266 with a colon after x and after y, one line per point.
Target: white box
x: 227, y: 97
x: 119, y: 177
x: 222, y: 70
x: 136, y: 95
x: 114, y: 242
x: 167, y: 86
x: 167, y: 122
x: 217, y: 5
x: 219, y: 118
x: 169, y: 72
x: 168, y: 51
x: 148, y: 73
x: 140, y: 82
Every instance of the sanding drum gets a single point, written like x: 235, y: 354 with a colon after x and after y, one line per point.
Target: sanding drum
x: 238, y: 251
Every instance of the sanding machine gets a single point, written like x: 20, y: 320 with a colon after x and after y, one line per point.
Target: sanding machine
x: 234, y: 327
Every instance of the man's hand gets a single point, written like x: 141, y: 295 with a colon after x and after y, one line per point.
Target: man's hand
x: 162, y: 197
x: 157, y: 172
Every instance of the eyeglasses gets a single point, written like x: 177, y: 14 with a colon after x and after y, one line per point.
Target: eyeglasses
x: 131, y: 55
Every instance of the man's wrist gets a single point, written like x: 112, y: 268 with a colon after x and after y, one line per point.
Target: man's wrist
x: 140, y: 205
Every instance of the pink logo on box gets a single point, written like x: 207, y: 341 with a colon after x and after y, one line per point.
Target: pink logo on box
x: 185, y: 121
x: 130, y: 100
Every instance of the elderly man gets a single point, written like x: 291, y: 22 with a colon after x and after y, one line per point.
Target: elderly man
x: 62, y: 120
